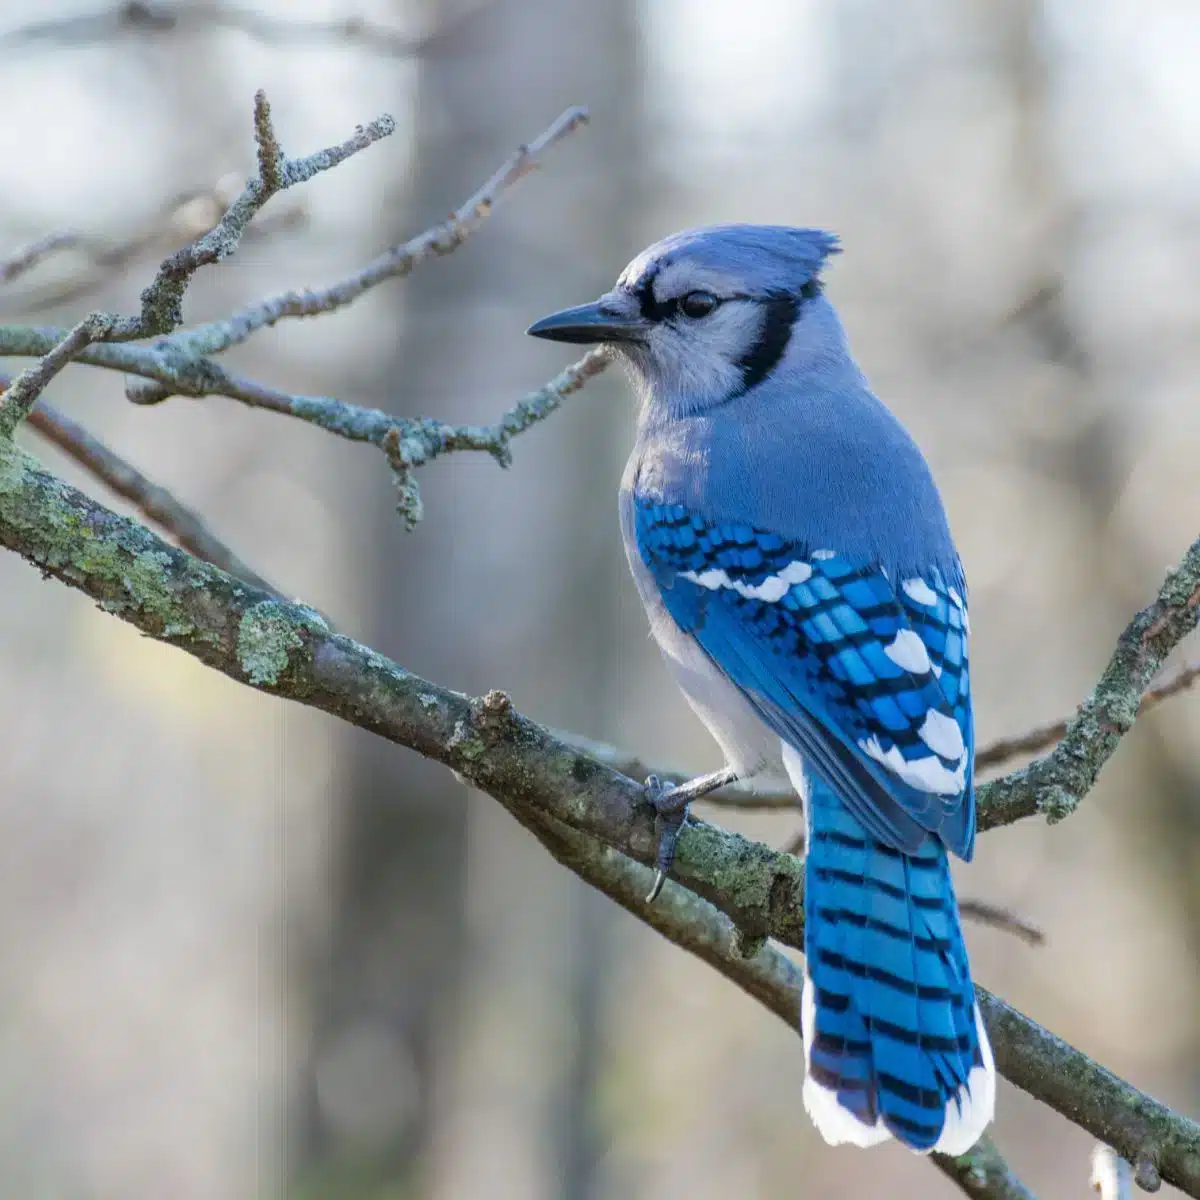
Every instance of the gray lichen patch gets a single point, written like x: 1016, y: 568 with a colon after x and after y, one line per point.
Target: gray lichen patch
x: 266, y: 639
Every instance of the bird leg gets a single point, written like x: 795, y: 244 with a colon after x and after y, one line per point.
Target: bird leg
x: 670, y: 806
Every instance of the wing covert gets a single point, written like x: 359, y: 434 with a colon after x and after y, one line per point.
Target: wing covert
x: 867, y: 677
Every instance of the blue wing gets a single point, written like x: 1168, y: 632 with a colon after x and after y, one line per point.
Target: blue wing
x: 866, y: 677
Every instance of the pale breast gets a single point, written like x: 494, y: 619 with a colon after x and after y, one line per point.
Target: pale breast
x: 747, y: 743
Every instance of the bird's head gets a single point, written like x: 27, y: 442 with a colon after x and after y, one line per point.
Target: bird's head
x: 705, y: 314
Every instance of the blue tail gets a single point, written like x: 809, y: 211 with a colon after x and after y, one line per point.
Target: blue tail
x: 892, y: 1035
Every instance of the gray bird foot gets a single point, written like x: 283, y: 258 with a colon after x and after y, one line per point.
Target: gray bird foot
x: 670, y: 806
x: 670, y: 813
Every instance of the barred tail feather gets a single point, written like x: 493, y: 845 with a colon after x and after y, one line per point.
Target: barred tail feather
x: 893, y: 1039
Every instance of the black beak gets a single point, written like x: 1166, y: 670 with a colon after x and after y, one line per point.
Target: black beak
x: 587, y: 324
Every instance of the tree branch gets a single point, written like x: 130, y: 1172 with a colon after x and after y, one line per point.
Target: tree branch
x: 394, y: 263
x: 186, y: 216
x: 982, y: 1173
x: 731, y: 894
x: 21, y: 395
x: 1054, y: 785
x: 27, y: 257
x: 162, y: 301
x: 180, y: 364
x: 760, y: 970
x: 155, y: 503
x: 1042, y: 738
x: 1000, y: 802
x: 146, y: 17
x: 288, y: 650
x: 1161, y: 1144
x: 1002, y: 919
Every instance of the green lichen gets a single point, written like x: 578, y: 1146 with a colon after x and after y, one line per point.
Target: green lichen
x: 466, y: 744
x: 118, y: 559
x: 266, y: 638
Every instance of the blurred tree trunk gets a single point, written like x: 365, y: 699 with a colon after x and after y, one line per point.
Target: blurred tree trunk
x: 464, y: 961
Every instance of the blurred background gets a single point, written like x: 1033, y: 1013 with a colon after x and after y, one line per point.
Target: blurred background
x: 246, y: 951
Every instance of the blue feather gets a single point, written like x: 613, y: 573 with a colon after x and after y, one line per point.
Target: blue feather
x: 814, y: 663
x: 895, y: 1037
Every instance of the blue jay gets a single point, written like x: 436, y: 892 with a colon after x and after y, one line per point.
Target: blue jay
x: 794, y: 558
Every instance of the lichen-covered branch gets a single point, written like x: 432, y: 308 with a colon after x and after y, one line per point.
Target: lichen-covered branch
x: 753, y: 797
x: 760, y: 970
x: 288, y: 650
x: 999, y: 752
x: 1161, y: 1144
x: 162, y: 301
x: 411, y: 442
x: 408, y: 444
x: 21, y: 394
x: 181, y: 363
x: 394, y: 263
x: 982, y: 1173
x: 154, y: 502
x: 1054, y: 785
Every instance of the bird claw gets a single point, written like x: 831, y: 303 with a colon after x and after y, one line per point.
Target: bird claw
x: 670, y: 806
x: 670, y: 814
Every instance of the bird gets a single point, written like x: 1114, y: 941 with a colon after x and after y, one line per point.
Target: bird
x: 794, y: 556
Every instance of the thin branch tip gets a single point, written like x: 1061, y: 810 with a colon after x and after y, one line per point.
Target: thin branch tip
x: 271, y: 158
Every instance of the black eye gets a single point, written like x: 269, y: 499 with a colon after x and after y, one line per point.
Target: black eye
x: 698, y: 304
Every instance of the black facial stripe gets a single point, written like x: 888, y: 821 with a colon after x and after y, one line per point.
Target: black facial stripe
x: 652, y: 308
x: 763, y: 357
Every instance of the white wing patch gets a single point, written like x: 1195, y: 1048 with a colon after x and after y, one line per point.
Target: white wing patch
x: 908, y: 653
x: 942, y: 735
x: 960, y: 604
x: 924, y: 774
x: 772, y: 589
x: 919, y: 592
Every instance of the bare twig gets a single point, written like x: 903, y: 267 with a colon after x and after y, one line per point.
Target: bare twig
x: 407, y: 442
x: 1000, y: 752
x: 146, y: 18
x: 187, y: 216
x: 179, y: 365
x: 152, y: 501
x: 21, y: 395
x: 1053, y: 786
x: 394, y: 263
x: 28, y: 256
x: 162, y: 301
x: 410, y: 444
x: 1000, y: 918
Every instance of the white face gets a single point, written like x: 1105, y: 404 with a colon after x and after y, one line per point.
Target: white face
x: 704, y: 329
